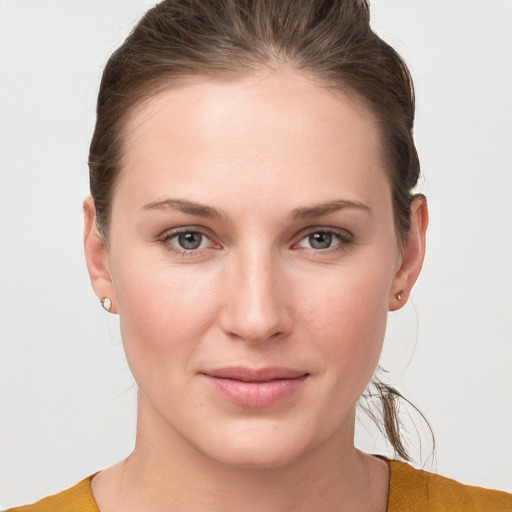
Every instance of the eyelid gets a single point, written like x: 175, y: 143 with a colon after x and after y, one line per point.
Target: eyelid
x: 346, y: 238
x: 169, y: 234
x: 341, y: 232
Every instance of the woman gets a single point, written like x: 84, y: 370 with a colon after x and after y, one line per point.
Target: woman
x: 252, y: 222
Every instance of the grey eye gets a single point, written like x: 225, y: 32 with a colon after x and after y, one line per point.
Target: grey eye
x: 190, y: 240
x: 321, y: 240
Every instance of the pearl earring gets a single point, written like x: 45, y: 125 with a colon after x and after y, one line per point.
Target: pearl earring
x: 106, y: 303
x: 400, y: 295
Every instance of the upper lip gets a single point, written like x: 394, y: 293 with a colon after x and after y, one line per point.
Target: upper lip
x: 265, y: 374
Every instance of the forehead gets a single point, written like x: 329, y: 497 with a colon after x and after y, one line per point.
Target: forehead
x: 258, y: 133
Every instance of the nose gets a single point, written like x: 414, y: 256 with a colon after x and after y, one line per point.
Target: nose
x: 257, y: 305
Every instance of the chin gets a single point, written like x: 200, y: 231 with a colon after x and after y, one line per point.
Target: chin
x: 262, y: 446
x: 252, y: 455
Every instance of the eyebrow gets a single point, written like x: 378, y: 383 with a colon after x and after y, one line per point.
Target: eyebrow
x: 185, y: 206
x: 201, y: 210
x: 320, y: 210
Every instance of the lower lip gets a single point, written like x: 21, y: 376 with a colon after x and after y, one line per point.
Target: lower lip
x: 255, y: 394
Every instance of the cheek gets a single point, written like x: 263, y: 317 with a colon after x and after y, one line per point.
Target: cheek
x: 164, y: 313
x: 349, y: 322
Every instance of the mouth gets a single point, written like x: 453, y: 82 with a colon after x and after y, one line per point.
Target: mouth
x: 255, y: 388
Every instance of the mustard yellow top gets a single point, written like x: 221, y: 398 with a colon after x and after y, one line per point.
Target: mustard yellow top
x: 410, y: 490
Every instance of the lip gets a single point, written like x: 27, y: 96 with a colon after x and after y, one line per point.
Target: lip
x: 256, y: 388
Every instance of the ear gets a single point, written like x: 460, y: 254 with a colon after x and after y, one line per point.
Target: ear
x: 412, y: 256
x: 96, y: 256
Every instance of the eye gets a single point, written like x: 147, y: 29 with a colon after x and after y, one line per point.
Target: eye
x: 320, y: 240
x: 187, y: 241
x: 190, y: 240
x: 325, y: 239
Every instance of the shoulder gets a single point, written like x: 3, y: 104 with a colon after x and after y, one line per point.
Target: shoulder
x: 414, y: 490
x: 75, y: 499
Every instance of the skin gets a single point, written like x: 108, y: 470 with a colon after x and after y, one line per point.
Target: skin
x: 264, y: 152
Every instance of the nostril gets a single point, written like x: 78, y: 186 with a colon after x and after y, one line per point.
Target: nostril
x: 255, y: 336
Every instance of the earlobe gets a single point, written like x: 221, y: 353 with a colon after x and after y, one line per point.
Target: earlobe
x: 96, y: 257
x: 413, y: 254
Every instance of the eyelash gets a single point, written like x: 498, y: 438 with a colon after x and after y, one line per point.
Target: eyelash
x: 345, y: 239
x: 168, y: 236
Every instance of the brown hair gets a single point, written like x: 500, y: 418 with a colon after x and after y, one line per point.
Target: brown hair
x: 329, y: 40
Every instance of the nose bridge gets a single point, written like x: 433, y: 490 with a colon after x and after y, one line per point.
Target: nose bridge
x: 255, y: 308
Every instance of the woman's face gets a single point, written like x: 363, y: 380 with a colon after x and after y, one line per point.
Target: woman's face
x: 252, y: 260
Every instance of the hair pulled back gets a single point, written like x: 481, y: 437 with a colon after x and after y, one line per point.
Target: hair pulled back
x: 328, y: 40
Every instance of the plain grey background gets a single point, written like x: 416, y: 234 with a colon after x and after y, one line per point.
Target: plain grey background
x: 67, y: 400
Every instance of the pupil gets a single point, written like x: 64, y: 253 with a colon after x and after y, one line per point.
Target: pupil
x: 320, y: 240
x: 189, y: 240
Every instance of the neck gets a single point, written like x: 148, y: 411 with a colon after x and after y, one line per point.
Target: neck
x: 167, y: 473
